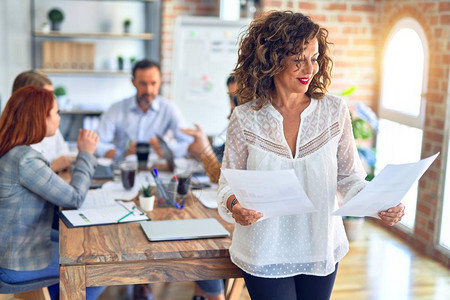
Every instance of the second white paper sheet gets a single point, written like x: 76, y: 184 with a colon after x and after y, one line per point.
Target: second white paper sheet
x: 274, y: 193
x: 386, y: 190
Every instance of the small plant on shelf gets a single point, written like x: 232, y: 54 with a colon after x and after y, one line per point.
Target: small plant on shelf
x: 132, y: 61
x: 60, y: 91
x: 120, y: 62
x: 126, y: 25
x: 56, y: 17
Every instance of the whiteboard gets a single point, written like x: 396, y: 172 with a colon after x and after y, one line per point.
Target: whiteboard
x: 206, y: 51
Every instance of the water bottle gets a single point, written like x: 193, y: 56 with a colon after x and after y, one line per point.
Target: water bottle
x: 173, y: 186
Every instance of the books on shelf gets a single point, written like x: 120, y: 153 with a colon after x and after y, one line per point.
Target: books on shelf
x: 68, y: 55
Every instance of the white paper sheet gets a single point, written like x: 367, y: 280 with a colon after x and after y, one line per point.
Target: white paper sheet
x: 274, y: 193
x: 386, y: 190
x: 100, y: 207
x: 207, y: 196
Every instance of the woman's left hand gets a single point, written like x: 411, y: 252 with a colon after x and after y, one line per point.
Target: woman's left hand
x: 392, y: 215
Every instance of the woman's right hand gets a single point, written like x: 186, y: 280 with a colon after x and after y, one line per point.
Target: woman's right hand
x: 87, y: 141
x: 200, y: 144
x: 245, y: 216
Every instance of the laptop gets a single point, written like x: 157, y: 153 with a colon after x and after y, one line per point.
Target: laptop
x: 167, y: 153
x: 103, y: 172
x: 187, y: 229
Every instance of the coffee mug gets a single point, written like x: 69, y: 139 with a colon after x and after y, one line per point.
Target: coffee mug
x: 184, y: 181
x: 142, y: 152
x: 128, y: 171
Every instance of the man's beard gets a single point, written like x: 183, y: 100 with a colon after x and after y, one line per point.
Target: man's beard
x: 143, y: 100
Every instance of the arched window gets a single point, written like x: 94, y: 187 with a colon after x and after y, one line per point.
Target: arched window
x: 402, y: 103
x: 444, y: 237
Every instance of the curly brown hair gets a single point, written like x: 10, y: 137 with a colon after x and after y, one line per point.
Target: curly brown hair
x: 265, y: 45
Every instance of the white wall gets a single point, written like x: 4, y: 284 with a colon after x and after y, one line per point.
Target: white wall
x: 92, y: 91
x: 15, y: 47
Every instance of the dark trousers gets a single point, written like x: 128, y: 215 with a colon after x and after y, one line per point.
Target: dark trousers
x: 308, y: 287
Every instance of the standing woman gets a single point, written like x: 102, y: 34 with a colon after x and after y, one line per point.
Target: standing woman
x: 29, y: 188
x: 286, y: 120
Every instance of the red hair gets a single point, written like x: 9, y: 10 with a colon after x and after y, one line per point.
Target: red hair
x: 24, y: 120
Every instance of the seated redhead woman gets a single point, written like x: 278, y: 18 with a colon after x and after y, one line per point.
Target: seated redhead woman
x: 30, y: 189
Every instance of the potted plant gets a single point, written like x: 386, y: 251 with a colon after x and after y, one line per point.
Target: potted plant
x: 120, y: 62
x: 60, y: 93
x: 364, y: 124
x: 56, y: 17
x: 132, y: 61
x: 126, y: 25
x: 147, y: 197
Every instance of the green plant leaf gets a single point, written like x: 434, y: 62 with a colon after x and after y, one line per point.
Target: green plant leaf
x: 60, y: 91
x: 56, y: 15
x: 348, y: 91
x: 147, y: 191
x: 361, y: 129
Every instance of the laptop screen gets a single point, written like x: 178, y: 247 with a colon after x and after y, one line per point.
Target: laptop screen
x: 167, y: 153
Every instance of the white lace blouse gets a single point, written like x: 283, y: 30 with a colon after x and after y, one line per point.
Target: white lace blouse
x: 326, y: 162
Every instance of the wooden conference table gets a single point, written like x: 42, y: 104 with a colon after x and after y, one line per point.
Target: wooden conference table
x: 121, y: 254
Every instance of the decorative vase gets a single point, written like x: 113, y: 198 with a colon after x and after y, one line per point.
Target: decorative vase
x: 146, y: 203
x: 120, y: 64
x: 56, y: 26
x: 353, y: 228
x: 126, y: 28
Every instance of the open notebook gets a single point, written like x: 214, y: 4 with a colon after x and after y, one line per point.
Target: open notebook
x: 100, y: 208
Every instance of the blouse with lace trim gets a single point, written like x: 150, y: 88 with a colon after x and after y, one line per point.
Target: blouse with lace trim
x: 326, y: 163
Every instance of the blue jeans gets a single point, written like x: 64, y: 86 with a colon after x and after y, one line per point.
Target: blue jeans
x: 52, y: 270
x: 213, y: 287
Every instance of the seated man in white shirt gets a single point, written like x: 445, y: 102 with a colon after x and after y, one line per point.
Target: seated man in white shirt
x: 141, y: 118
x: 53, y: 148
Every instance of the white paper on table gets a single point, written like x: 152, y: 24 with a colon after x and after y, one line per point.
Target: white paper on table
x: 98, y: 197
x: 274, y: 193
x: 99, y: 207
x: 207, y: 196
x: 119, y: 192
x: 386, y: 190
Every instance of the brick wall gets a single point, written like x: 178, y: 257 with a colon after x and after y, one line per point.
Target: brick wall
x: 434, y: 17
x: 352, y: 26
x: 358, y: 29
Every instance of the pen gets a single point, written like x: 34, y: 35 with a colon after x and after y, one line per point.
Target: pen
x: 180, y: 206
x: 161, y: 189
x: 125, y: 216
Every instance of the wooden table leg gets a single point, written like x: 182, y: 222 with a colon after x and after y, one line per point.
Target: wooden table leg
x: 234, y: 288
x: 72, y: 283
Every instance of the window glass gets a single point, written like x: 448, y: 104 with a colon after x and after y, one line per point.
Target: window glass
x: 403, y: 73
x: 399, y: 144
x: 445, y: 223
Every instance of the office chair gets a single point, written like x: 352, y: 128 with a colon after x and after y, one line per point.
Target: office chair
x: 29, y: 290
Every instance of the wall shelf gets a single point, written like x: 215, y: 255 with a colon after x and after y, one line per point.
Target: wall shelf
x: 93, y: 35
x: 63, y: 72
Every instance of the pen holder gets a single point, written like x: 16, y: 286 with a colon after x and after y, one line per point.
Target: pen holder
x: 172, y: 193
